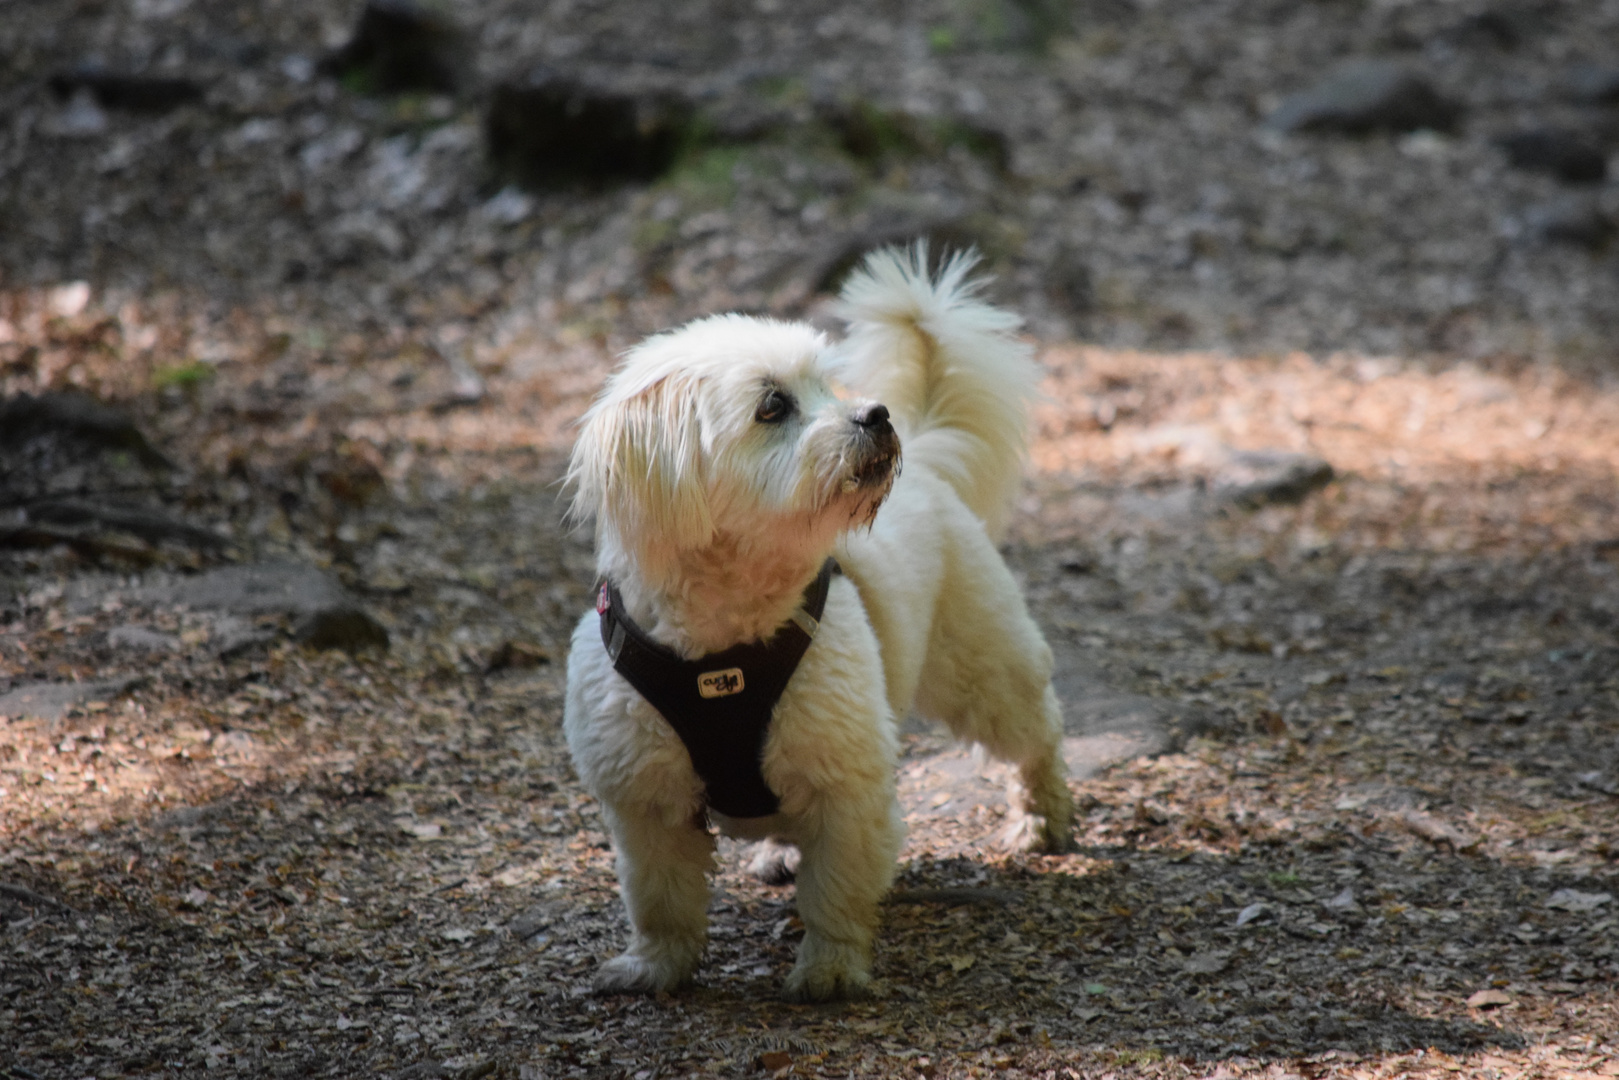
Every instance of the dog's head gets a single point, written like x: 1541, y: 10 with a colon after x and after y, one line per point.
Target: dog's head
x: 729, y: 427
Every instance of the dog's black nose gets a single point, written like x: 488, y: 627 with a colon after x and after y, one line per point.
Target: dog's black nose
x: 871, y: 416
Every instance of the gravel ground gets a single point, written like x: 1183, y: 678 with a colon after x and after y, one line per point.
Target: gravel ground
x: 1381, y: 840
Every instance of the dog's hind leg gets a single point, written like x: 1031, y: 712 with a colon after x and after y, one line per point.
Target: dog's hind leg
x: 774, y: 862
x: 849, y: 846
x: 988, y: 676
x: 1041, y: 807
x: 662, y: 876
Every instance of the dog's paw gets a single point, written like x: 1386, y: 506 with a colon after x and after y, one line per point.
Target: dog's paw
x: 633, y: 973
x: 827, y: 971
x: 1038, y: 834
x: 774, y: 863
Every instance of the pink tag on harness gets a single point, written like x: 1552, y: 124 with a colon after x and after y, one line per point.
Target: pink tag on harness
x: 603, y: 600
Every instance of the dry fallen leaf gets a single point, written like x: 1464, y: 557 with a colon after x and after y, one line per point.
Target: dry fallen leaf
x: 1250, y: 913
x: 1488, y: 999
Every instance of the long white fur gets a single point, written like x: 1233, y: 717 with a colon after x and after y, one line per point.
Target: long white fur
x: 712, y: 524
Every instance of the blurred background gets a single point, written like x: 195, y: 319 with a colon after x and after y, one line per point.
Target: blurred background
x: 1421, y: 178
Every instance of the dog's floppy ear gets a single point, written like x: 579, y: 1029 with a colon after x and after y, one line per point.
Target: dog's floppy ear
x: 637, y: 466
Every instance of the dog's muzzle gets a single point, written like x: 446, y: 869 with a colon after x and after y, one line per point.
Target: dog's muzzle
x: 876, y: 448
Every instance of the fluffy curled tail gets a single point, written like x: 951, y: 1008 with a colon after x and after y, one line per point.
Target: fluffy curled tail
x: 947, y: 365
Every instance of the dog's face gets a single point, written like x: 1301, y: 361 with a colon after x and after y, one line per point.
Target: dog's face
x: 730, y: 427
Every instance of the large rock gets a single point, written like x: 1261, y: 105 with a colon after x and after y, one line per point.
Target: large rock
x: 76, y: 416
x: 1564, y: 154
x: 399, y: 46
x: 550, y: 131
x: 325, y: 616
x: 1367, y: 95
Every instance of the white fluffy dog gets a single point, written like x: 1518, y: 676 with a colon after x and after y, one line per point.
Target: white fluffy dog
x: 722, y: 469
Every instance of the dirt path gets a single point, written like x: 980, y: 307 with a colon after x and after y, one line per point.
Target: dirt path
x: 1391, y: 708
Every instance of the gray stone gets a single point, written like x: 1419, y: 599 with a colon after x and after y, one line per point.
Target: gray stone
x: 51, y: 701
x: 1573, y: 221
x: 1254, y: 478
x: 1567, y: 155
x: 326, y: 616
x: 141, y: 639
x: 232, y: 635
x: 1367, y: 95
x: 1597, y: 84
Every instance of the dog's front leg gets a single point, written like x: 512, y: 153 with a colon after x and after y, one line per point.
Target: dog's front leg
x: 848, y: 852
x: 662, y: 870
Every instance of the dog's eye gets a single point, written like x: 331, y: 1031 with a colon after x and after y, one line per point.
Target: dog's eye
x: 775, y: 408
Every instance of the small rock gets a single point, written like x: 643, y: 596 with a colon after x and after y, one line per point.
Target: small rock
x: 1576, y: 901
x: 232, y: 636
x: 516, y: 654
x: 1255, y: 478
x: 1597, y: 780
x: 1579, y: 222
x: 80, y: 118
x: 1564, y: 154
x: 550, y: 131
x: 269, y: 588
x: 532, y: 920
x: 123, y: 90
x: 399, y: 46
x: 327, y: 618
x: 1206, y: 963
x: 141, y: 639
x: 1597, y: 84
x: 51, y: 701
x: 347, y: 628
x: 1367, y: 95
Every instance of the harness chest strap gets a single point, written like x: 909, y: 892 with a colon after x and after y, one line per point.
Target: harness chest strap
x: 720, y: 704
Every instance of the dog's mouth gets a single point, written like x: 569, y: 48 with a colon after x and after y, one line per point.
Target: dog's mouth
x: 877, y: 471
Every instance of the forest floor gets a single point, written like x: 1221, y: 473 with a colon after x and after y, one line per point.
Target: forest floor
x: 1347, y: 751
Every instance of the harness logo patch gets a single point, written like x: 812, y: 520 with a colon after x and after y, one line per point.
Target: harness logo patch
x: 713, y: 684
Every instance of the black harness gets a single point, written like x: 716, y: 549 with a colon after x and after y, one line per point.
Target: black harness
x: 720, y: 704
